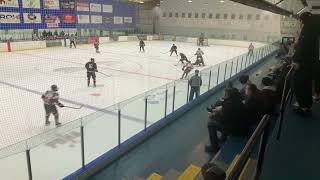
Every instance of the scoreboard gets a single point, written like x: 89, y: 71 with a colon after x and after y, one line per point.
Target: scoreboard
x: 42, y: 14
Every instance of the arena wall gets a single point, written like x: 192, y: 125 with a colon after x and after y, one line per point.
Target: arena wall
x: 217, y: 20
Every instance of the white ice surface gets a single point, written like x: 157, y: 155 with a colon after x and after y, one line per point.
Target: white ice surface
x: 25, y: 75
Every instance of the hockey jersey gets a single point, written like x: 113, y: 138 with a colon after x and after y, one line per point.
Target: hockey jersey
x: 199, y: 53
x: 91, y: 67
x: 51, y: 98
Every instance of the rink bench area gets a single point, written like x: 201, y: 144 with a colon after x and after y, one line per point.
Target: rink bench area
x: 31, y: 45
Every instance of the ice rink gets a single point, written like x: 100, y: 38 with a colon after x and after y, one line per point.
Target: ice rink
x: 25, y: 75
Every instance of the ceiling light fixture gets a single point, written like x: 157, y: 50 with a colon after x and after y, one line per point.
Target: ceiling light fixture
x: 222, y: 1
x: 190, y: 1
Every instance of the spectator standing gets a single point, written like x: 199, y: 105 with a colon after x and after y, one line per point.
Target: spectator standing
x: 303, y: 60
x: 195, y: 82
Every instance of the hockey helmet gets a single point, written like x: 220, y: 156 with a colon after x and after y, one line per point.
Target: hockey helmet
x: 54, y: 87
x: 92, y: 59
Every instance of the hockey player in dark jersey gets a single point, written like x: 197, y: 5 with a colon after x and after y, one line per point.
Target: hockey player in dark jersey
x: 96, y: 46
x: 183, y: 58
x: 91, y: 67
x: 51, y: 99
x: 72, y: 41
x: 186, y: 69
x: 199, y: 60
x: 142, y: 45
x: 174, y: 49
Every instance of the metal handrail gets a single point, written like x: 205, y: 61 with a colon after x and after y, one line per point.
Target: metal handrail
x: 244, y: 155
x: 284, y: 99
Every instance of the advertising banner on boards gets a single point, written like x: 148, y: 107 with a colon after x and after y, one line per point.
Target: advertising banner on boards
x: 83, y: 19
x: 68, y: 5
x: 95, y: 7
x: 52, y: 20
x: 107, y: 20
x: 82, y: 6
x: 51, y: 4
x: 127, y: 20
x: 68, y: 18
x: 31, y: 4
x: 117, y: 20
x: 107, y: 8
x: 9, y: 3
x: 96, y: 19
x: 32, y: 17
x: 9, y: 17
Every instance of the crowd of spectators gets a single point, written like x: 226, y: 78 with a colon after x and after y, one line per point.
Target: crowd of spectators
x: 49, y: 35
x: 239, y: 111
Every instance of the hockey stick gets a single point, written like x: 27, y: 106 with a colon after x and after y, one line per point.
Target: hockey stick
x: 104, y: 74
x: 188, y: 60
x: 74, y: 107
x: 165, y: 52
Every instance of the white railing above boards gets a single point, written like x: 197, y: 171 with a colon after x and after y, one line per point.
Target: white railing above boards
x: 85, y: 139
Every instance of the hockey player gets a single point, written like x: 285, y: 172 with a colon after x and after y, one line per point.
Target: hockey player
x: 186, y: 69
x: 183, y: 58
x: 142, y: 44
x: 174, y: 49
x: 51, y: 99
x: 250, y: 50
x: 91, y: 67
x: 96, y: 46
x: 72, y: 41
x: 199, y: 60
x: 201, y: 40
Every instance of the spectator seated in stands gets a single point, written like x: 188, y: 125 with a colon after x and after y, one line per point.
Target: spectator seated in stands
x: 220, y: 101
x: 244, y: 80
x: 269, y: 94
x: 226, y: 119
x: 254, y: 105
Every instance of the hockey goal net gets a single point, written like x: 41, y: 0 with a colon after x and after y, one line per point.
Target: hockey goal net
x: 204, y: 42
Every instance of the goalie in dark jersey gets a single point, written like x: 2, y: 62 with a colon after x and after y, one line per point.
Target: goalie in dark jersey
x: 72, y: 39
x: 51, y: 99
x: 91, y: 67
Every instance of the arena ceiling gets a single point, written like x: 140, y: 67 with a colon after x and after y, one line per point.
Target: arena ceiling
x: 282, y: 7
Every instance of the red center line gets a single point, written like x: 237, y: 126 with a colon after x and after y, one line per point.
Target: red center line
x: 119, y: 70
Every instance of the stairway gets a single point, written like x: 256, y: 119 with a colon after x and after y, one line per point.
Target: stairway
x: 193, y: 172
